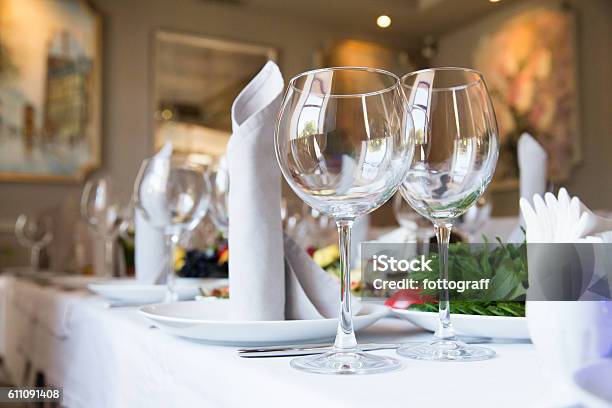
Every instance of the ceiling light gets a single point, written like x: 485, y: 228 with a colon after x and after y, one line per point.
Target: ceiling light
x: 494, y: 1
x: 383, y: 21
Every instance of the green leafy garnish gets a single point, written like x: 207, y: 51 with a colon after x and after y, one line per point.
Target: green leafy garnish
x: 512, y: 308
x: 504, y: 264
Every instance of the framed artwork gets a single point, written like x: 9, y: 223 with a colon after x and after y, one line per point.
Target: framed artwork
x: 50, y: 90
x: 196, y: 80
x: 530, y: 66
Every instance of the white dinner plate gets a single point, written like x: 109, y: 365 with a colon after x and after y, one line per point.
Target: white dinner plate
x: 503, y: 327
x: 208, y: 322
x: 593, y: 382
x: 74, y: 282
x: 131, y: 291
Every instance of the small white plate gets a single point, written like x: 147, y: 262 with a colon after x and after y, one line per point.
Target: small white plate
x: 503, y: 327
x: 208, y: 322
x: 131, y: 291
x: 593, y: 381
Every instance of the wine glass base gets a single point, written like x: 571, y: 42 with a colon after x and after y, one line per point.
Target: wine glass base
x: 446, y: 350
x: 345, y: 362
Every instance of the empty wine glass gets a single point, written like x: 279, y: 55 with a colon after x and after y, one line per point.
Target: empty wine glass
x: 343, y: 145
x: 101, y: 210
x: 455, y: 156
x: 472, y: 221
x: 313, y: 230
x: 173, y: 195
x: 411, y: 221
x: 218, y: 209
x: 34, y: 233
x: 291, y: 215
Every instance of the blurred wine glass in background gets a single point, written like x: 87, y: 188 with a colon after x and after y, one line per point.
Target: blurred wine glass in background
x: 218, y: 209
x: 474, y: 219
x: 34, y: 233
x: 314, y: 229
x: 416, y: 227
x: 291, y: 215
x: 174, y: 195
x: 103, y: 213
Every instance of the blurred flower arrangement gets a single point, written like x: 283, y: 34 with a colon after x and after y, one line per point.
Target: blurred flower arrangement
x: 529, y: 65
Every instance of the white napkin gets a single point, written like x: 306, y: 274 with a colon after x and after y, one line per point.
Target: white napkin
x: 311, y: 292
x: 562, y: 219
x: 271, y: 277
x: 532, y: 160
x: 150, y: 248
x: 256, y: 267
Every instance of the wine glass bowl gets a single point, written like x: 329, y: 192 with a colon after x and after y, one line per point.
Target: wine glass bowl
x: 343, y: 142
x: 34, y: 233
x: 455, y: 155
x: 173, y: 195
x: 219, y: 197
x: 101, y: 211
x: 470, y: 222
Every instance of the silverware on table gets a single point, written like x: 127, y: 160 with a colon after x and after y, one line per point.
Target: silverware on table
x: 303, y: 350
x: 307, y: 349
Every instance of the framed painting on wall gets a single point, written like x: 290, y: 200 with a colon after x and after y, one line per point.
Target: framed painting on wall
x: 530, y: 65
x: 50, y: 90
x: 196, y: 80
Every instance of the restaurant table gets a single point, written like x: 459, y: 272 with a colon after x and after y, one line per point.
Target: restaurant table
x: 113, y: 357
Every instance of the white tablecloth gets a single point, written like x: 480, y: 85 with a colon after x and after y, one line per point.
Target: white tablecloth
x: 111, y: 357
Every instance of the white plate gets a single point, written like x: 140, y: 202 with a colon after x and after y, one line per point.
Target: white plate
x: 74, y: 282
x: 593, y: 381
x: 208, y: 322
x: 131, y: 291
x: 504, y: 327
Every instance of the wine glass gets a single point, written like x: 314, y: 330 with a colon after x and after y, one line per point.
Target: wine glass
x: 472, y: 221
x: 291, y: 215
x: 34, y: 233
x: 343, y: 145
x: 456, y: 151
x: 218, y: 208
x: 412, y: 222
x: 173, y: 194
x: 100, y: 209
x: 312, y: 232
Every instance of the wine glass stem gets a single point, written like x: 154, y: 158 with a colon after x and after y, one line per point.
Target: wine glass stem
x: 171, y: 295
x: 109, y: 264
x: 35, y: 258
x: 445, y: 328
x: 345, y: 337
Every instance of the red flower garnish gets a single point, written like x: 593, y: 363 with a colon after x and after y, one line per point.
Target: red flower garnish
x: 402, y: 299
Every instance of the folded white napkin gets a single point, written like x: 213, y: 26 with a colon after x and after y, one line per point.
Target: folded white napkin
x: 560, y: 219
x: 271, y: 277
x: 563, y: 219
x: 532, y: 160
x: 311, y: 292
x: 150, y: 248
x: 256, y: 267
